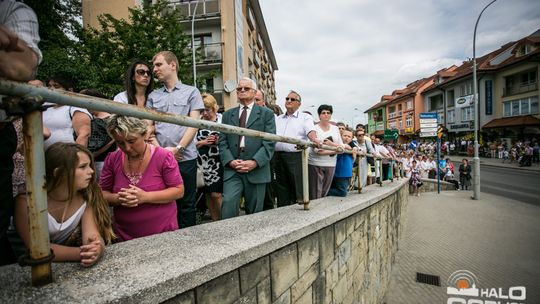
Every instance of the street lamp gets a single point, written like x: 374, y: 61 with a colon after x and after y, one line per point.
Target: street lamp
x: 193, y: 44
x: 476, y: 159
x: 353, y: 116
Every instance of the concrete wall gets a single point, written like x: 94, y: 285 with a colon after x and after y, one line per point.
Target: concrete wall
x: 340, y: 251
x: 430, y: 185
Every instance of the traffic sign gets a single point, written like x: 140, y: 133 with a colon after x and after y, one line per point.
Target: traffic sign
x: 428, y: 134
x: 428, y: 129
x: 429, y: 125
x: 428, y: 115
x: 391, y: 134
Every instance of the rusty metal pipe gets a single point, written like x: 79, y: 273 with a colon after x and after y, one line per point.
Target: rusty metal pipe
x: 305, y: 179
x: 39, y: 246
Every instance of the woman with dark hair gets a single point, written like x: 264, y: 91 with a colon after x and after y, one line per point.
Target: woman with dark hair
x: 465, y: 174
x: 138, y: 84
x: 78, y: 216
x: 322, y: 163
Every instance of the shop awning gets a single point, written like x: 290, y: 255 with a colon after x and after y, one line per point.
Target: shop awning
x: 527, y: 120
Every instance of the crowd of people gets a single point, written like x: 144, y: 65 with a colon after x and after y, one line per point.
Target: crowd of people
x: 113, y: 178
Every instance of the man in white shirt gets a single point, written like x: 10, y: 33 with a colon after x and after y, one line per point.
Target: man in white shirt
x: 287, y: 158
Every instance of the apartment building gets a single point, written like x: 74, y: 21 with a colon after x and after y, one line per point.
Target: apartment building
x: 507, y: 93
x: 231, y: 35
x: 403, y: 109
x: 377, y: 116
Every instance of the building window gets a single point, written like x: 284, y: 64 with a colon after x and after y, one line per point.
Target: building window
x: 465, y: 89
x: 524, y: 106
x: 409, y: 104
x: 408, y: 121
x: 451, y: 116
x: 435, y: 103
x: 400, y: 123
x: 520, y: 83
x: 391, y: 112
x: 451, y: 99
x: 467, y: 113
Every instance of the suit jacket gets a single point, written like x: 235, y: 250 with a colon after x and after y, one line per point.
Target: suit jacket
x: 260, y: 119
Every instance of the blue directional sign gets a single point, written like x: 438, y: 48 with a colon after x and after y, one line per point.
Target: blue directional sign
x: 425, y: 115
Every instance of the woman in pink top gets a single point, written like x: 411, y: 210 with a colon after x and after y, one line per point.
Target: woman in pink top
x: 140, y: 181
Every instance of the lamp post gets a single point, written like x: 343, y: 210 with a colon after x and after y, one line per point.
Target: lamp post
x: 353, y: 116
x: 193, y: 44
x: 476, y: 169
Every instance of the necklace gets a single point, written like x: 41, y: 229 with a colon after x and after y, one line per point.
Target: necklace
x: 135, y: 177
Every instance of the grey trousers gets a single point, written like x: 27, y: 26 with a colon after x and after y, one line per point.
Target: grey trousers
x: 320, y: 180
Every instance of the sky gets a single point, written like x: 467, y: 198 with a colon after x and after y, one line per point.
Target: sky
x: 348, y: 53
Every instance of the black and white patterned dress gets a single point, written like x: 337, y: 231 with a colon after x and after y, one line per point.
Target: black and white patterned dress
x: 209, y: 162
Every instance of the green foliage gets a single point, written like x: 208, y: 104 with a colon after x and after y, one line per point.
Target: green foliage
x: 98, y: 58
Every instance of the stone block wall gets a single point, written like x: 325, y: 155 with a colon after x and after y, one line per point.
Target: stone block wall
x: 347, y: 262
x: 339, y: 251
x: 430, y: 185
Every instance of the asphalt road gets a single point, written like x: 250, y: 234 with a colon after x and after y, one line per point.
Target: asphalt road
x: 520, y: 185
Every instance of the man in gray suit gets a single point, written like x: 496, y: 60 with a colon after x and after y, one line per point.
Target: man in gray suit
x: 246, y: 159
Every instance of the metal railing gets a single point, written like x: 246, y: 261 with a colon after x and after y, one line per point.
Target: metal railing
x: 27, y: 101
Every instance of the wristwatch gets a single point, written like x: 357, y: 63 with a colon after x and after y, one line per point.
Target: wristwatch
x: 180, y: 148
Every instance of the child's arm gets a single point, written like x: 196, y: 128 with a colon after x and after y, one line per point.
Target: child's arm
x: 93, y: 244
x: 61, y: 253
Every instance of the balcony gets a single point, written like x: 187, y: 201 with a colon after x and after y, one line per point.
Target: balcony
x: 206, y: 8
x: 523, y: 88
x: 210, y: 53
x: 391, y: 115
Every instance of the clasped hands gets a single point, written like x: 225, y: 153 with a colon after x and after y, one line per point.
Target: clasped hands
x: 131, y: 197
x: 242, y: 166
x: 91, y: 252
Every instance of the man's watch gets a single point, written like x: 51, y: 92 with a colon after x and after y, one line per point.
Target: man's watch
x: 180, y: 148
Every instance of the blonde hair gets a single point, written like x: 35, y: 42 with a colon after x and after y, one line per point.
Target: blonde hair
x: 209, y: 101
x: 61, y: 161
x: 125, y: 125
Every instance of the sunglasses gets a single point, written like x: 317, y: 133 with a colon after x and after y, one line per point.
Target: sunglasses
x: 326, y: 112
x: 144, y: 72
x: 242, y: 89
x: 291, y: 99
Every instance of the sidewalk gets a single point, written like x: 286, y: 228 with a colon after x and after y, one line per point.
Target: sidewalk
x: 494, y: 238
x: 495, y: 162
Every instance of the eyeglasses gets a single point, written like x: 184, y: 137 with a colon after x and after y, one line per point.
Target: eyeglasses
x: 360, y: 134
x: 242, y: 89
x: 291, y: 99
x: 326, y: 112
x: 144, y: 72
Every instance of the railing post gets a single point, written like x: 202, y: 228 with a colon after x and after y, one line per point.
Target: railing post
x: 305, y: 178
x: 359, y: 174
x: 39, y: 247
x: 380, y: 172
x: 391, y: 170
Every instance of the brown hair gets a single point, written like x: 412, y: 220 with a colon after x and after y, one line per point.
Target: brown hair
x: 61, y: 161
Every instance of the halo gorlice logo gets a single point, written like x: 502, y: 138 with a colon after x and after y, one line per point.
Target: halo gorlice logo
x: 463, y: 288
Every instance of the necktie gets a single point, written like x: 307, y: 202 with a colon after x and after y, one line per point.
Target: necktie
x: 243, y: 117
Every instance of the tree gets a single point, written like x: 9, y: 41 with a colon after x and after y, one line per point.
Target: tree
x: 98, y: 58
x: 59, y: 27
x: 106, y: 52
